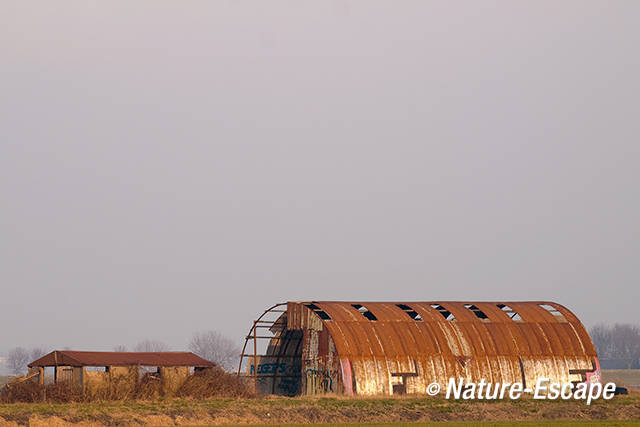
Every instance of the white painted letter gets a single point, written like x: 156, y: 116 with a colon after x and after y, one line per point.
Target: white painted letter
x: 539, y: 388
x: 452, y: 387
x: 481, y: 385
x: 594, y: 392
x: 515, y: 392
x: 567, y: 387
x: 609, y: 391
x: 581, y: 391
x: 469, y: 391
x: 554, y: 391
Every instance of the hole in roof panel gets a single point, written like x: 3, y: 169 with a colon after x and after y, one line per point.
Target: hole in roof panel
x: 414, y: 315
x: 510, y: 312
x: 479, y: 313
x: 445, y: 313
x: 369, y: 315
x: 365, y: 311
x: 323, y: 315
x: 410, y: 312
x: 317, y: 310
x: 551, y: 309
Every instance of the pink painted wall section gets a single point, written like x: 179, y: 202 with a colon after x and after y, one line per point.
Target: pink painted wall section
x: 345, y: 366
x: 595, y: 376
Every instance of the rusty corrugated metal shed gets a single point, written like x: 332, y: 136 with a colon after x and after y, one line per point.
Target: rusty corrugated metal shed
x: 107, y: 358
x: 538, y: 333
x: 388, y: 347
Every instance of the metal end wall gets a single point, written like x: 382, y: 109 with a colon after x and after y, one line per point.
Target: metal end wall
x: 372, y: 348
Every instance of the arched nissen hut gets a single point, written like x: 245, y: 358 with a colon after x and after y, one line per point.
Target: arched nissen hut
x: 384, y: 348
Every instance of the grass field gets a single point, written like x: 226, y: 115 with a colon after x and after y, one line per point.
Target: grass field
x: 278, y: 410
x: 409, y: 411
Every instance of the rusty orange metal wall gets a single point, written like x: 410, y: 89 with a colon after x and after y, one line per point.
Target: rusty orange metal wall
x: 396, y: 352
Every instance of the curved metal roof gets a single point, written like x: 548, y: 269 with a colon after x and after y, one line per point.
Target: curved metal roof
x: 395, y: 332
x: 437, y: 340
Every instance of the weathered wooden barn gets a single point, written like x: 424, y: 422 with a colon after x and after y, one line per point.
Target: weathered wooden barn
x: 385, y: 348
x: 97, y: 372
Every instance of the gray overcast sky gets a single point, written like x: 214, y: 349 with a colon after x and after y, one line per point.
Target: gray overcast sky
x: 169, y: 167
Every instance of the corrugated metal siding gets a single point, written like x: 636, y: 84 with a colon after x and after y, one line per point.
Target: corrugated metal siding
x: 437, y: 349
x: 352, y: 354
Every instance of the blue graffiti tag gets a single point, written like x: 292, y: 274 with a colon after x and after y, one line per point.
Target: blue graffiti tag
x: 270, y: 368
x: 326, y: 382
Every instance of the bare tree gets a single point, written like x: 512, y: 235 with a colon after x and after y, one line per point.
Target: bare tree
x: 120, y: 348
x: 603, y: 340
x: 37, y: 352
x: 151, y: 345
x: 626, y: 339
x: 216, y: 348
x: 17, y: 359
x: 620, y: 341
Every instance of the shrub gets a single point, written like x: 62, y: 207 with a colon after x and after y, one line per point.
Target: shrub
x: 214, y: 382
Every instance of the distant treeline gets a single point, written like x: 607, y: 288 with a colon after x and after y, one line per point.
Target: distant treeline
x: 618, y: 345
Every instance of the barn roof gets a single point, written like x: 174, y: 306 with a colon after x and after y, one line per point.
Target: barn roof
x: 455, y: 328
x: 502, y: 342
x: 108, y: 358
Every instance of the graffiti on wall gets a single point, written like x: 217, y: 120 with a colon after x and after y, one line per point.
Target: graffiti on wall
x: 269, y: 368
x: 320, y: 380
x: 593, y: 375
x: 277, y: 377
